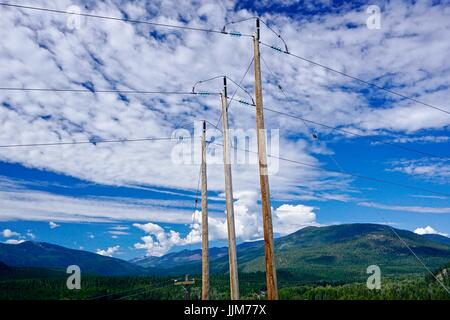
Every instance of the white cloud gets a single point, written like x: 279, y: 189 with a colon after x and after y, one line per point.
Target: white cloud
x: 421, y: 139
x: 109, y: 252
x: 429, y: 230
x: 437, y: 170
x: 120, y: 228
x: 118, y: 233
x: 289, y: 218
x: 7, y: 233
x: 429, y: 197
x: 53, y: 225
x: 14, y: 241
x: 417, y: 209
x: 43, y: 206
x: 177, y: 62
x: 157, y: 242
x: 31, y: 235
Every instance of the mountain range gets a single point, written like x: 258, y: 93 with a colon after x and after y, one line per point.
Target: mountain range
x: 333, y: 253
x: 32, y: 254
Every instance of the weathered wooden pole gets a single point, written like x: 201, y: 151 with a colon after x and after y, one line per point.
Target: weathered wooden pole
x: 271, y: 273
x: 205, y: 239
x: 234, y: 281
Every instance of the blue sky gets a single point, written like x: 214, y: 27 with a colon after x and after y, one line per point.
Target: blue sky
x: 132, y: 199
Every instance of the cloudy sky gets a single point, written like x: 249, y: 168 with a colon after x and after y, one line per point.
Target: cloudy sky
x: 132, y: 199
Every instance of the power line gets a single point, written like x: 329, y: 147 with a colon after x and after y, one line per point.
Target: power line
x: 414, y: 254
x: 144, y: 290
x: 357, y: 79
x: 228, y: 78
x: 395, y: 145
x: 281, y: 89
x: 157, y: 24
x: 355, y: 175
x: 364, y: 177
x: 390, y: 227
x: 140, y: 289
x: 200, y: 93
x: 239, y: 85
x: 114, y: 293
x: 93, y: 142
x: 313, y: 134
x: 356, y: 134
x: 106, y: 91
x: 377, y: 180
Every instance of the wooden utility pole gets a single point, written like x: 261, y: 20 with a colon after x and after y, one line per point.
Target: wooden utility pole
x: 186, y: 285
x: 205, y: 244
x: 234, y: 281
x: 271, y: 272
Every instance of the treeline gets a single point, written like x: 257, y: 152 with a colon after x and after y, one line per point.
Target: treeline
x: 393, y: 289
x: 252, y: 286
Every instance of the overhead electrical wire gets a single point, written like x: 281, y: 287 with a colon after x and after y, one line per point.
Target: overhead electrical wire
x: 355, y: 175
x: 379, y: 181
x: 379, y: 213
x: 93, y: 142
x: 371, y: 84
x: 285, y: 51
x: 223, y: 31
x: 194, y: 91
x: 306, y: 121
x: 144, y: 291
x: 129, y: 292
x: 107, y: 91
x: 312, y: 133
x: 405, y: 244
x: 156, y: 24
x: 200, y: 93
x: 345, y: 131
x: 239, y: 85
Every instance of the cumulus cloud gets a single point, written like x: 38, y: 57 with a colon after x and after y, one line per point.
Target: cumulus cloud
x: 7, y: 233
x: 429, y: 230
x: 289, y: 218
x: 157, y: 242
x: 248, y: 223
x: 53, y: 225
x: 109, y: 252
